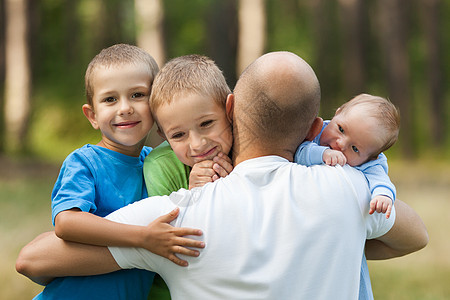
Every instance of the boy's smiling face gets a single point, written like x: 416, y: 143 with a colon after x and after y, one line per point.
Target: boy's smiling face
x: 121, y: 110
x: 196, y: 127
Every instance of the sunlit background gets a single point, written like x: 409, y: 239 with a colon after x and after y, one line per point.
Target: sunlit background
x: 397, y: 49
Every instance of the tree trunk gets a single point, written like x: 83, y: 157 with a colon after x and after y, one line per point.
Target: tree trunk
x: 327, y: 54
x: 149, y: 36
x: 431, y: 18
x: 222, y: 37
x: 392, y: 24
x: 149, y: 21
x: 17, y: 76
x: 252, y: 32
x: 353, y: 29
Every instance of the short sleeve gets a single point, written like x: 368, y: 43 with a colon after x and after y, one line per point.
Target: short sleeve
x: 163, y: 172
x: 75, y: 186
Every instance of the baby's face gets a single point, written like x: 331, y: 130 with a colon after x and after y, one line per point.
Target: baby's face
x: 354, y: 134
x: 196, y: 127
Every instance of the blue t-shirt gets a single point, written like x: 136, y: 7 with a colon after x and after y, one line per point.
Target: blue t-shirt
x: 98, y: 180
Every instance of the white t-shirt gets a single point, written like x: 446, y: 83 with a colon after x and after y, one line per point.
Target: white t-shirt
x: 273, y: 230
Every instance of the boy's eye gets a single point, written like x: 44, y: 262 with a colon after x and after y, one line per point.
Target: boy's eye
x: 341, y: 129
x: 109, y: 99
x: 206, y: 123
x: 177, y: 135
x: 355, y: 149
x: 137, y: 95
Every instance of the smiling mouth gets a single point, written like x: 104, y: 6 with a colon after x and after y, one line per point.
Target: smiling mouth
x: 126, y: 124
x: 206, y: 154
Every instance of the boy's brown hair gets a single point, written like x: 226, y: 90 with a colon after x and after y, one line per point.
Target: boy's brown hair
x: 117, y: 55
x: 387, y: 115
x: 195, y: 74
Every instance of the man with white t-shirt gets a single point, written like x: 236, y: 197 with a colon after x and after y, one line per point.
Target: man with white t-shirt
x: 272, y: 229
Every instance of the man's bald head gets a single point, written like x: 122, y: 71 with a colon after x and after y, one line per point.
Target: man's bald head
x: 277, y: 99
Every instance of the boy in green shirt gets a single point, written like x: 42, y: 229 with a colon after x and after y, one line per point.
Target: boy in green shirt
x: 188, y: 103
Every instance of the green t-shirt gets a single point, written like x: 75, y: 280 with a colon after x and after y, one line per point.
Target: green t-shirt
x: 164, y: 173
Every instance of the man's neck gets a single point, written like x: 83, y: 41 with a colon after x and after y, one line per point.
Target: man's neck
x: 252, y: 152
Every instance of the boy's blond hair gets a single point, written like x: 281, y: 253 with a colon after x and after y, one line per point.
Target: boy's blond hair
x: 117, y: 55
x: 189, y: 74
x: 386, y: 114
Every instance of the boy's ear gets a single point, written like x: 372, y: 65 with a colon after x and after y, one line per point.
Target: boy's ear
x: 315, y: 129
x: 229, y: 107
x: 88, y: 111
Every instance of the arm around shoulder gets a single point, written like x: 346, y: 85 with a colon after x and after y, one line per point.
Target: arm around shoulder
x: 407, y: 235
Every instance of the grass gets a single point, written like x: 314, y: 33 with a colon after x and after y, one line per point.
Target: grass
x: 25, y: 205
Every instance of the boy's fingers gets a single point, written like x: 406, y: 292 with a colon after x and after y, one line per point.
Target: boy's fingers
x: 185, y: 243
x: 183, y: 231
x: 186, y: 251
x: 223, y: 162
x: 167, y: 218
x: 221, y: 172
x: 178, y: 261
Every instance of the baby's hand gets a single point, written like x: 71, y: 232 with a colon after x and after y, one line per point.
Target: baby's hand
x: 381, y: 204
x: 333, y: 157
x: 165, y: 240
x: 210, y: 170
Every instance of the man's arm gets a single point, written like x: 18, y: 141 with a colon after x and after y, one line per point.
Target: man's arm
x: 407, y: 235
x: 62, y: 259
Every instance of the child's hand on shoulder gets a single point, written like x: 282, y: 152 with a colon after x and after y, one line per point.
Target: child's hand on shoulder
x: 333, y: 157
x: 381, y: 204
x: 210, y: 170
x: 161, y: 238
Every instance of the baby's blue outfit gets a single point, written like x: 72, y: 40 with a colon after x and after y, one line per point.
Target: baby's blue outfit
x: 100, y: 181
x: 376, y: 173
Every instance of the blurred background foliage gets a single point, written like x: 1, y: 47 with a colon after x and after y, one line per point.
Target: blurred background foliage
x: 396, y: 49
x: 393, y: 48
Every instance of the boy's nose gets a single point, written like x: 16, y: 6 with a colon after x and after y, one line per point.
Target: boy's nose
x: 196, y: 142
x: 125, y: 107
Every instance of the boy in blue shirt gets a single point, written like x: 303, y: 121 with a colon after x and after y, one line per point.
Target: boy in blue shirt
x: 96, y: 180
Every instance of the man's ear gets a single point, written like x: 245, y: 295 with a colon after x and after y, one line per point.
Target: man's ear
x: 88, y: 111
x: 315, y: 129
x: 229, y: 107
x: 161, y: 134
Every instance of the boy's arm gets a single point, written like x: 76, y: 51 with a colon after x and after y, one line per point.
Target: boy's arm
x: 47, y: 256
x: 158, y: 237
x: 407, y: 235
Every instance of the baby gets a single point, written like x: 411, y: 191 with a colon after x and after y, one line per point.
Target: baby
x: 359, y: 132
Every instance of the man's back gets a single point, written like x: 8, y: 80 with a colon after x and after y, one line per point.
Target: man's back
x: 273, y: 230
